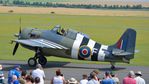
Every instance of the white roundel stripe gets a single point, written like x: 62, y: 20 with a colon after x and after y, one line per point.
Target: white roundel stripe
x: 91, y: 45
x: 101, y: 54
x: 76, y: 45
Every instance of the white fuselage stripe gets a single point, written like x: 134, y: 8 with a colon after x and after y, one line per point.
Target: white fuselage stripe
x: 76, y: 45
x: 91, y: 45
x: 44, y: 44
x: 101, y: 54
x: 50, y: 43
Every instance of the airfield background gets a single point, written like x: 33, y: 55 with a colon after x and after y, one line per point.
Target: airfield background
x: 104, y: 26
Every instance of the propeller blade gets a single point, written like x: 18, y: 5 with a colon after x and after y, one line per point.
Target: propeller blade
x: 20, y: 26
x: 17, y: 35
x: 15, y: 48
x: 20, y: 31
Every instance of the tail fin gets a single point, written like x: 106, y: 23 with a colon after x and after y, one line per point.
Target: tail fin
x: 127, y: 41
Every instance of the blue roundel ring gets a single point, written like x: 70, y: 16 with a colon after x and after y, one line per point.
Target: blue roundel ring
x: 84, y: 52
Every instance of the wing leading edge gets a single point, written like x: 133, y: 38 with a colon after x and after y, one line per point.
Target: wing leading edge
x: 42, y: 43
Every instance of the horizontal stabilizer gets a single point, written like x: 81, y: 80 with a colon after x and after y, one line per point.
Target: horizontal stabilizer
x: 119, y: 52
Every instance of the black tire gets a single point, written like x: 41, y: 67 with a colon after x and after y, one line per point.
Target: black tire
x: 112, y: 67
x: 32, y: 62
x: 42, y: 60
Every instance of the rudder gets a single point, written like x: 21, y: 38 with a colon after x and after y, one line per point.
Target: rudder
x: 127, y: 41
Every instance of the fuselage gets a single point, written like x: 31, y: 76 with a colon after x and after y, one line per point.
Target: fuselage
x: 80, y: 45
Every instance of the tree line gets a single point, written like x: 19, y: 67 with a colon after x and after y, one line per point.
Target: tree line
x: 86, y: 6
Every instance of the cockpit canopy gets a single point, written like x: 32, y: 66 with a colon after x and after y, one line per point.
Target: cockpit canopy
x: 58, y: 30
x: 69, y: 33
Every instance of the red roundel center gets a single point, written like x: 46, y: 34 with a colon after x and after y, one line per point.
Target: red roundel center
x: 85, y: 51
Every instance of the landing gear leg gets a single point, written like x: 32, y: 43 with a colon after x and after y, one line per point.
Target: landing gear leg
x: 32, y: 62
x: 112, y: 65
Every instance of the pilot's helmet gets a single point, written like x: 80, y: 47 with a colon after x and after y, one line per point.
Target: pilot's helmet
x: 62, y: 30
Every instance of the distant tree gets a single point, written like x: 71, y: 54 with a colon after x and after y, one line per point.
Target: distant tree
x: 139, y: 6
x: 87, y: 6
x: 1, y: 1
x: 5, y: 2
x: 128, y: 6
x: 105, y: 6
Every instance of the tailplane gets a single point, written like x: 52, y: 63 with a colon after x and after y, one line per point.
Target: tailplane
x: 127, y: 42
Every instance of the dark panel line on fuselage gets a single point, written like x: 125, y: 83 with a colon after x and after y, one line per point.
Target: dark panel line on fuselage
x: 97, y: 47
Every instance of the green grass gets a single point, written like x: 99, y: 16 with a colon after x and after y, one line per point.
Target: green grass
x: 103, y: 29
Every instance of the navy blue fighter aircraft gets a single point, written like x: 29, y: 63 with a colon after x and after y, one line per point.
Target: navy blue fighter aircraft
x: 74, y: 44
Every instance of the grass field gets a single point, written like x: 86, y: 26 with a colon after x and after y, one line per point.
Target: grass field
x: 103, y: 29
x: 72, y: 11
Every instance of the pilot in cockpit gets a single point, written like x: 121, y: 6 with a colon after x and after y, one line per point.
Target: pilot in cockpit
x: 62, y: 32
x: 59, y: 30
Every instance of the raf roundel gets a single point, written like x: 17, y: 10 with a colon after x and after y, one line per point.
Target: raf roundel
x: 84, y: 52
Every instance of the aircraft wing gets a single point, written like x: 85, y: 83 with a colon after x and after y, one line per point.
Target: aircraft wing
x: 41, y: 43
x: 119, y: 52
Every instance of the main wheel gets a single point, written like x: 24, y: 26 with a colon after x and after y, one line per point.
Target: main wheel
x: 112, y: 67
x: 42, y: 60
x: 32, y: 62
